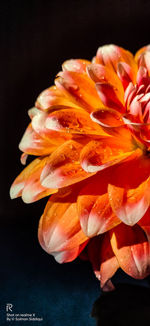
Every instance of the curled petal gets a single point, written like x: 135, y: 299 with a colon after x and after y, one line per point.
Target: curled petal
x: 73, y: 121
x: 141, y: 51
x: 132, y: 250
x: 109, y: 96
x: 63, y: 167
x: 59, y: 227
x: 107, y: 118
x: 98, y: 155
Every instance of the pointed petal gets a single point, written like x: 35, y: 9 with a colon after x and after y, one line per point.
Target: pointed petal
x: 27, y: 184
x: 63, y: 167
x: 132, y: 250
x: 110, y: 96
x: 130, y: 205
x: 108, y: 261
x: 98, y: 155
x: 95, y: 213
x: 59, y: 227
x: 33, y: 144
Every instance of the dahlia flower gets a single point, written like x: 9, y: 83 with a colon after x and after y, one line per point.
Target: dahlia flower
x: 91, y: 135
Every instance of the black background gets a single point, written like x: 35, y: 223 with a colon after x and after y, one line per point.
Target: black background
x: 36, y: 37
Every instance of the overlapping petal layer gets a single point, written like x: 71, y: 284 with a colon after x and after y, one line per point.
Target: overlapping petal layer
x: 91, y: 133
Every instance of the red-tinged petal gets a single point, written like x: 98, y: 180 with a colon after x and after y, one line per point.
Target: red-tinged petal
x: 142, y: 76
x: 109, y: 96
x: 107, y: 117
x: 125, y: 74
x: 59, y: 228
x: 76, y: 65
x: 132, y: 250
x: 51, y: 98
x: 33, y: 144
x: 74, y: 121
x: 95, y: 213
x: 110, y: 55
x: 99, y: 73
x: 98, y: 155
x: 130, y: 205
x: 81, y: 89
x: 63, y: 167
x: 145, y: 223
x: 108, y: 262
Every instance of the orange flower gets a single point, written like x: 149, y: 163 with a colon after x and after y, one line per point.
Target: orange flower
x: 91, y: 133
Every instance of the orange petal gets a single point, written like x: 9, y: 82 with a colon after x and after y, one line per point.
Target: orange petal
x: 27, y: 184
x: 132, y: 250
x: 107, y: 118
x: 99, y: 73
x: 59, y: 227
x: 108, y: 261
x: 33, y: 144
x: 95, y: 213
x: 76, y: 65
x: 110, y: 96
x: 51, y: 98
x: 110, y: 55
x: 130, y: 205
x: 63, y: 167
x: 98, y: 155
x: 81, y: 89
x: 74, y: 121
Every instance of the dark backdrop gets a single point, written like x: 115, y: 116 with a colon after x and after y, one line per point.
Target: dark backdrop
x: 36, y: 37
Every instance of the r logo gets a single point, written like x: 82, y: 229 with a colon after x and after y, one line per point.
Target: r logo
x: 9, y: 307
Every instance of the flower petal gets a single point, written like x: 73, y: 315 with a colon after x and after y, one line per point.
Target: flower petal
x: 81, y: 89
x: 130, y: 205
x: 108, y: 261
x: 132, y: 250
x: 76, y: 65
x: 59, y: 227
x: 98, y: 155
x: 111, y: 54
x: 51, y: 98
x: 144, y: 223
x: 27, y: 184
x: 33, y: 144
x: 74, y: 121
x: 94, y: 210
x: 125, y: 74
x: 110, y: 96
x: 63, y: 167
x: 99, y: 73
